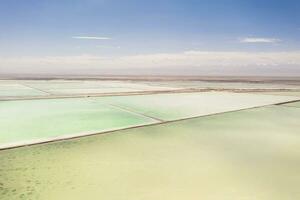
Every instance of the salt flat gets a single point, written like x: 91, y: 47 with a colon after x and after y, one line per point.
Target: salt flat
x: 35, y: 88
x: 289, y: 93
x: 17, y: 90
x: 224, y: 85
x: 195, y: 145
x: 184, y: 105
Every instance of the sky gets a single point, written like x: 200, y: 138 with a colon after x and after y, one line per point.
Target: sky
x: 157, y: 37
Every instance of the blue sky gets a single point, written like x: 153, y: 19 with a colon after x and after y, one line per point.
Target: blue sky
x: 124, y: 28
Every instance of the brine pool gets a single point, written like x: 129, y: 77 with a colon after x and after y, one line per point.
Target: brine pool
x: 33, y: 121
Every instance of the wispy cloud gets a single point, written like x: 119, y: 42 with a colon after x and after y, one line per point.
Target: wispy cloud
x: 91, y: 38
x: 259, y: 40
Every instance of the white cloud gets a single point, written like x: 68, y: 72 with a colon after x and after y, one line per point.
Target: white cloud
x: 206, y: 61
x: 91, y: 38
x: 259, y: 40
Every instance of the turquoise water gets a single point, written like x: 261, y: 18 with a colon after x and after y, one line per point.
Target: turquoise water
x: 31, y: 120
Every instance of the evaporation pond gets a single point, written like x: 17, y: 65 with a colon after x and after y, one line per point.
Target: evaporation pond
x: 30, y: 121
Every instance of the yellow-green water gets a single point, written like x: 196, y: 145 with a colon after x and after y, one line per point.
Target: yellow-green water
x: 245, y: 155
x: 295, y: 104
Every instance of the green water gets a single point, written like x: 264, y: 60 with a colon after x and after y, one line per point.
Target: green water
x: 245, y: 155
x: 27, y: 121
